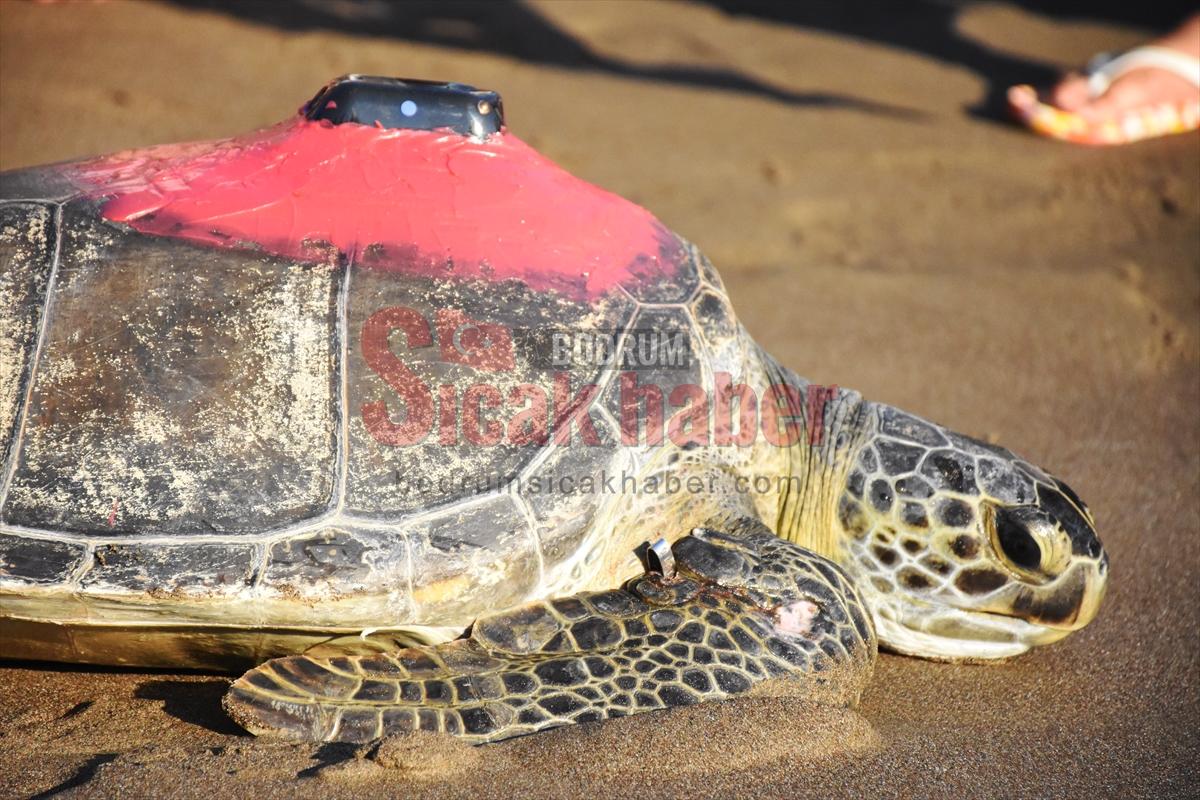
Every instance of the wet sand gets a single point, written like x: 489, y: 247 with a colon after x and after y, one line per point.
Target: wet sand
x: 873, y: 233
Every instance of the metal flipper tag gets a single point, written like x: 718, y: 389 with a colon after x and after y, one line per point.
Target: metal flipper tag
x: 660, y: 558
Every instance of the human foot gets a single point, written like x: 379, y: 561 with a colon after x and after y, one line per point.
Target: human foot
x: 1149, y: 91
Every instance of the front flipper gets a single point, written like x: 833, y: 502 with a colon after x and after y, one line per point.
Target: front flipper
x: 746, y: 612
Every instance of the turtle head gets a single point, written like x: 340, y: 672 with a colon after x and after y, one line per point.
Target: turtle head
x: 963, y: 550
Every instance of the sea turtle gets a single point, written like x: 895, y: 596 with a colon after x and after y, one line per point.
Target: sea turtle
x: 332, y: 394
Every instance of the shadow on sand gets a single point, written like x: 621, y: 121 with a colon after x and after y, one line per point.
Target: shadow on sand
x: 194, y: 702
x: 515, y: 29
x: 511, y: 28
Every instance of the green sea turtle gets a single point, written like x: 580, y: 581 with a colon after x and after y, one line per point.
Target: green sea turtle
x: 326, y: 397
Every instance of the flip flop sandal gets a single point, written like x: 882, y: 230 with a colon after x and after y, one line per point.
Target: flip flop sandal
x: 1140, y: 123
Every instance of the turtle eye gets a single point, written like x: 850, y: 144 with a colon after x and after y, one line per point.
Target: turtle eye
x: 1014, y: 539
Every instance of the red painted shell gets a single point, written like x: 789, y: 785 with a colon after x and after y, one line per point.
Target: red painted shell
x: 442, y: 203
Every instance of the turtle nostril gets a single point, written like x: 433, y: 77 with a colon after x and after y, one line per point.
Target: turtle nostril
x: 1016, y: 541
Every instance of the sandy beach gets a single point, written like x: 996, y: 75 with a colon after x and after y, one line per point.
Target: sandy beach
x: 878, y: 226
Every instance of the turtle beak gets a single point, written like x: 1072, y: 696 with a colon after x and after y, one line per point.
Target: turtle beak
x: 1076, y: 598
x: 1067, y: 604
x: 1059, y: 585
x: 1094, y: 591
